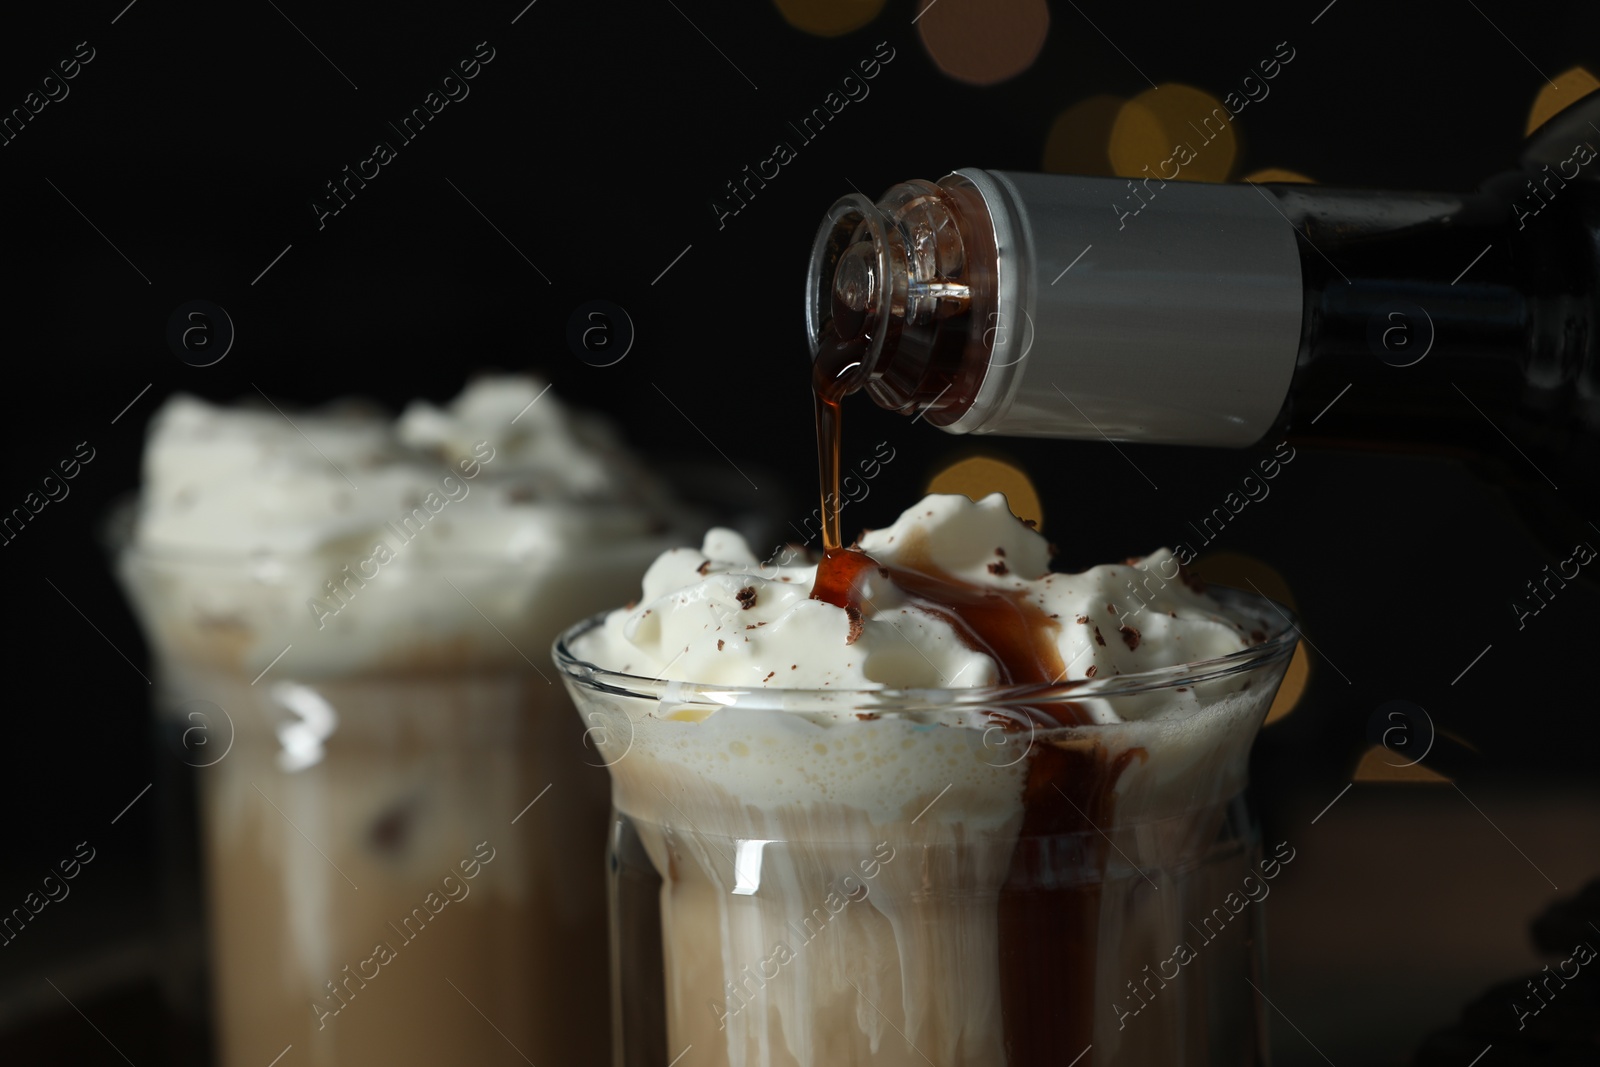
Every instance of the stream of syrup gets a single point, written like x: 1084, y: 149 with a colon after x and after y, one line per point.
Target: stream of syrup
x: 1049, y: 906
x: 831, y: 380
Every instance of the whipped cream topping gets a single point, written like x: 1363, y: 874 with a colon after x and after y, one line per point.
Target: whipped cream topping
x: 719, y: 616
x: 238, y: 480
x: 458, y: 535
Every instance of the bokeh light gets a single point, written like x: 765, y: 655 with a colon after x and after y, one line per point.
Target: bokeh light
x: 1568, y: 88
x: 828, y: 18
x: 983, y: 42
x: 978, y: 476
x: 1078, y: 137
x: 1293, y: 687
x: 1277, y: 174
x: 1178, y: 132
x: 1378, y: 764
x: 1239, y: 571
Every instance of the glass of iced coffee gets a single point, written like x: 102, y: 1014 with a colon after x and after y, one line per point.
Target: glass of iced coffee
x: 401, y: 821
x: 927, y: 802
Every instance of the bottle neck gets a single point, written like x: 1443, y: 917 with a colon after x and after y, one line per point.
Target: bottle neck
x: 1181, y: 328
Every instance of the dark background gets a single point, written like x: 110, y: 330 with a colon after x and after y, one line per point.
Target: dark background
x: 197, y: 138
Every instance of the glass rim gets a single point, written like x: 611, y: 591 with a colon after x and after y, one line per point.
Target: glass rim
x: 1279, y: 645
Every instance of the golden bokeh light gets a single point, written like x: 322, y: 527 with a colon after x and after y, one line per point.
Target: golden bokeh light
x: 1239, y: 571
x: 1174, y: 132
x: 1277, y: 174
x: 978, y: 476
x: 828, y: 18
x: 1078, y: 137
x: 1293, y: 686
x: 983, y: 42
x: 1378, y: 764
x: 1568, y: 88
